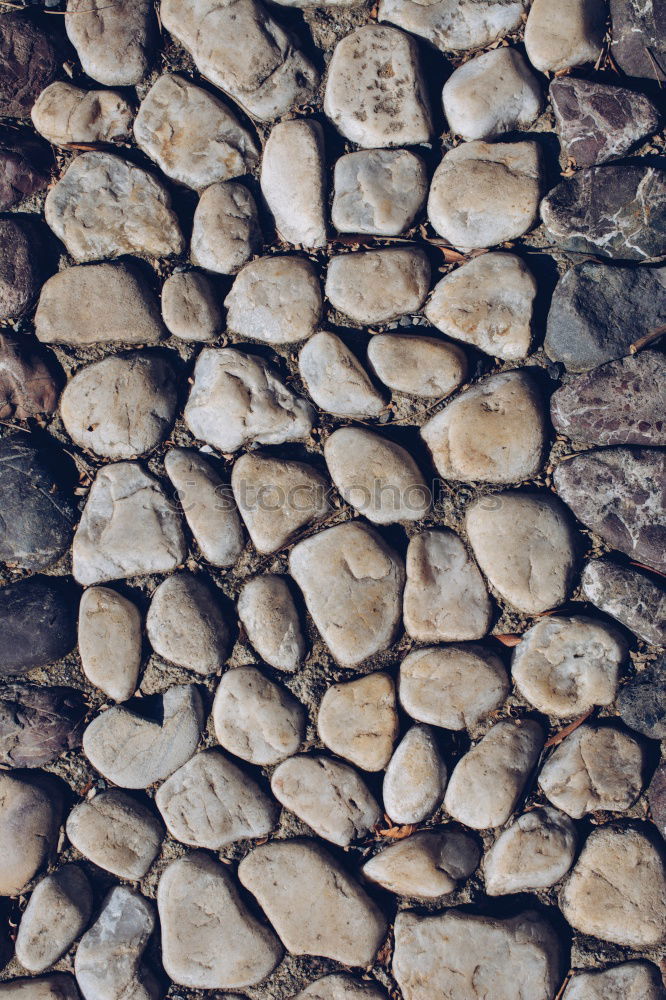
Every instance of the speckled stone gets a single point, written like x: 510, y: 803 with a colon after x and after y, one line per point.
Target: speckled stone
x: 378, y: 191
x: 113, y: 42
x: 66, y: 114
x: 415, y: 778
x: 378, y: 285
x: 637, y: 43
x: 226, y: 230
x: 256, y: 719
x: 572, y: 35
x: 358, y: 720
x: 118, y: 833
x: 426, y: 865
x: 535, y: 852
x: 634, y: 598
x: 20, y: 272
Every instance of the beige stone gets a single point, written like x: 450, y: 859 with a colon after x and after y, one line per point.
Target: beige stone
x: 293, y: 181
x: 225, y: 230
x: 378, y: 191
x: 276, y: 300
x: 569, y: 36
x: 535, y: 852
x: 418, y: 366
x: 110, y: 641
x: 415, y: 778
x: 452, y: 25
x: 116, y: 832
x: 190, y: 308
x: 426, y: 865
x: 113, y: 42
x: 358, y: 720
x: 336, y: 380
x: 629, y: 981
x: 341, y: 986
x: 30, y: 810
x: 376, y: 286
x: 66, y: 114
x: 59, y: 986
x: 185, y: 624
x: 270, y: 618
x: 57, y: 912
x: 256, y: 719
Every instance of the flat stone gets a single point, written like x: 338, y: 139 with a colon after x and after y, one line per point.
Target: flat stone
x: 185, y: 624
x: 36, y: 514
x: 93, y: 418
x: 104, y: 206
x: 108, y: 961
x: 98, y: 304
x: 445, y: 597
x: 334, y: 919
x: 358, y: 720
x: 28, y: 63
x: 270, y: 618
x: 256, y: 719
x: 38, y: 724
x: 28, y: 385
x: 336, y: 380
x: 237, y: 398
x: 572, y: 36
x: 192, y: 135
x: 657, y: 799
x: 597, y: 767
x: 341, y: 986
x: 483, y: 194
x: 566, y: 666
x: 535, y: 852
x: 426, y: 865
x: 114, y: 43
x: 415, y: 778
x: 642, y: 701
x: 226, y: 230
x: 276, y: 300
x: 487, y: 303
x: 617, y: 890
x: 597, y: 123
x: 618, y: 211
x: 451, y: 25
x: 453, y: 686
x: 208, y: 506
x: 378, y: 285
x: 494, y: 432
x: 634, y: 598
x: 59, y: 986
x: 516, y: 95
x: 640, y: 980
x: 128, y: 527
x: 245, y: 52
x: 20, y: 276
x: 190, y: 308
x: 525, y: 544
x: 375, y: 93
x: 637, y: 40
x: 210, y: 940
x: 135, y: 750
x: 66, y: 114
x: 21, y: 174
x: 37, y: 622
x: 489, y: 779
x: 416, y: 365
x: 378, y: 191
x: 110, y: 642
x: 57, y: 912
x: 277, y: 498
x: 618, y: 493
x: 30, y: 811
x: 293, y: 181
x: 117, y: 833
x: 352, y: 584
x: 211, y: 802
x: 464, y: 956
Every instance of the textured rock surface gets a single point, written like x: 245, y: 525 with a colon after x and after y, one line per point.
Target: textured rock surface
x: 378, y: 285
x: 637, y: 43
x: 415, y: 778
x: 639, y: 980
x: 226, y: 230
x: 114, y: 43
x: 59, y: 986
x: 118, y: 833
x: 535, y: 852
x: 21, y: 172
x: 342, y: 987
x: 378, y: 191
x: 657, y: 799
x: 449, y: 24
x: 642, y: 701
x: 57, y: 912
x: 270, y: 618
x: 28, y: 383
x: 186, y: 626
x: 426, y: 865
x: 19, y: 268
x: 30, y: 809
x: 293, y: 182
x: 419, y: 366
x: 66, y: 114
x: 336, y: 380
x: 256, y: 719
x: 190, y: 308
x: 110, y: 641
x: 37, y: 724
x: 634, y: 598
x: 358, y: 720
x: 571, y: 36
x: 276, y: 300
x: 38, y: 623
x: 29, y: 63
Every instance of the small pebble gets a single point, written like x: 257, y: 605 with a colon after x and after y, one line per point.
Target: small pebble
x: 415, y: 778
x: 293, y: 182
x: 276, y: 300
x: 57, y: 912
x: 185, y: 624
x: 30, y: 812
x: 113, y: 44
x: 378, y: 285
x: 420, y: 366
x: 358, y: 720
x: 426, y: 865
x: 535, y: 852
x: 634, y: 598
x: 226, y: 230
x: 116, y: 832
x: 270, y: 618
x: 256, y: 719
x: 639, y: 980
x: 378, y: 191
x: 190, y: 309
x: 336, y: 380
x: 570, y: 36
x: 66, y: 114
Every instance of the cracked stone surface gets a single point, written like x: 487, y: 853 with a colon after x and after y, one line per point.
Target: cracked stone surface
x: 358, y: 720
x: 378, y: 191
x: 120, y: 834
x: 633, y: 597
x: 637, y: 43
x: 425, y: 866
x: 378, y: 285
x: 66, y: 114
x: 256, y: 719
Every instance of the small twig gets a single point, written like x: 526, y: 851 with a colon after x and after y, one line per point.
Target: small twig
x: 567, y: 978
x: 567, y: 731
x: 642, y: 342
x: 657, y: 72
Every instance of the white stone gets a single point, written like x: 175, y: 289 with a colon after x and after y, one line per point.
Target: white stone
x: 293, y: 181
x: 255, y: 719
x: 190, y: 308
x: 415, y: 778
x: 110, y: 642
x: 117, y: 833
x: 488, y: 780
x: 452, y: 24
x: 629, y: 981
x: 237, y: 398
x: 566, y: 666
x: 358, y: 720
x: 378, y: 285
x: 225, y: 230
x: 30, y: 811
x: 334, y: 918
x: 487, y: 303
x: 113, y: 42
x: 66, y: 114
x: 525, y: 544
x: 445, y: 597
x: 192, y: 136
x: 426, y: 865
x: 210, y: 802
x: 352, y: 584
x: 535, y: 852
x: 420, y: 366
x: 57, y: 912
x: 336, y: 380
x: 492, y: 93
x: 569, y: 36
x: 341, y: 986
x: 378, y: 191
x: 452, y: 687
x: 185, y: 624
x: 276, y: 300
x: 269, y: 616
x: 483, y: 194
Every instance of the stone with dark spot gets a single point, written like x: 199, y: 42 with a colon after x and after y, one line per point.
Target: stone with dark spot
x: 27, y: 385
x: 657, y: 798
x: 596, y: 122
x: 19, y: 270
x: 597, y: 312
x: 614, y: 211
x: 27, y: 64
x: 19, y: 175
x: 37, y: 623
x: 623, y: 402
x: 630, y: 595
x: 639, y: 38
x: 619, y: 493
x: 642, y: 701
x: 37, y: 724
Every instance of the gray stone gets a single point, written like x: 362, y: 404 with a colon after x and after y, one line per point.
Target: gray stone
x: 642, y: 701
x: 451, y: 25
x: 572, y: 35
x: 488, y: 780
x: 190, y: 308
x: 293, y: 181
x: 637, y: 38
x: 336, y: 380
x: 378, y: 191
x: 118, y: 833
x: 358, y: 720
x: 59, y: 986
x: 19, y: 268
x: 28, y: 384
x: 334, y: 918
x: 276, y: 300
x: 226, y: 231
x: 341, y: 986
x: 30, y: 811
x: 114, y: 42
x: 66, y: 114
x: 629, y: 981
x: 634, y: 598
x: 426, y: 865
x: 420, y: 366
x: 378, y: 285
x: 535, y: 852
x: 192, y: 136
x: 185, y: 624
x: 256, y: 719
x: 57, y: 912
x: 375, y: 93
x: 135, y: 750
x: 28, y: 63
x: 104, y: 206
x: 37, y: 623
x: 38, y: 724
x: 128, y: 527
x: 270, y: 618
x: 210, y: 940
x: 415, y: 778
x: 110, y: 642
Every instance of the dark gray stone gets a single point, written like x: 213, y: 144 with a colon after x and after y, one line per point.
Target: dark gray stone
x: 19, y: 271
x: 19, y: 176
x: 596, y: 122
x: 37, y: 623
x: 615, y: 211
x: 27, y: 384
x: 630, y: 595
x: 27, y: 64
x: 639, y: 37
x: 642, y: 701
x: 619, y: 493
x: 37, y: 724
x: 36, y: 517
x: 597, y: 312
x: 657, y: 798
x: 623, y: 402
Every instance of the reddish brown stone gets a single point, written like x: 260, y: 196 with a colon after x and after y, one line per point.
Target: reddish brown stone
x: 28, y: 63
x: 27, y: 386
x: 19, y: 271
x: 19, y: 177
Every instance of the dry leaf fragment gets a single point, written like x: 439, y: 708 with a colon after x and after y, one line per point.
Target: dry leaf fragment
x: 567, y: 731
x: 509, y: 639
